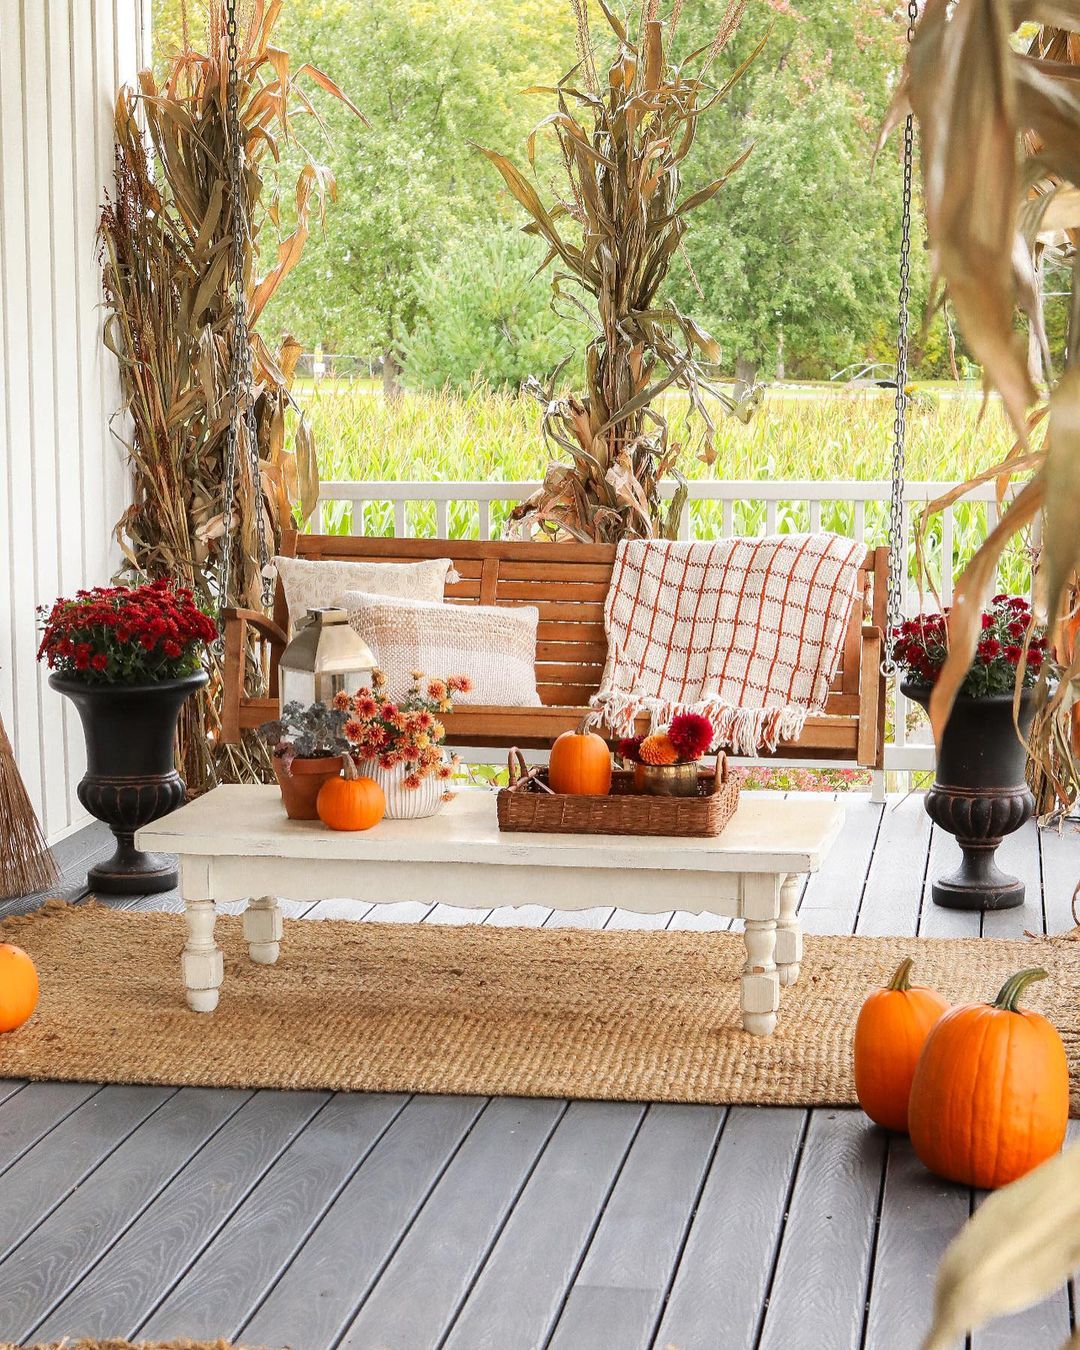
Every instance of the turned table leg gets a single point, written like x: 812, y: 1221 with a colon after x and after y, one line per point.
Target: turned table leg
x: 262, y: 929
x: 201, y: 961
x: 788, y: 932
x: 760, y: 985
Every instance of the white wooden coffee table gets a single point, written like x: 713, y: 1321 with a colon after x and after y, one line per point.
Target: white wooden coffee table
x: 236, y: 843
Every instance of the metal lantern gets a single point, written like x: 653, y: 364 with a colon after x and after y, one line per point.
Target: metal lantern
x: 324, y: 657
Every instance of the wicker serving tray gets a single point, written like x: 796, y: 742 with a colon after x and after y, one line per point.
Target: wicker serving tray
x: 526, y: 806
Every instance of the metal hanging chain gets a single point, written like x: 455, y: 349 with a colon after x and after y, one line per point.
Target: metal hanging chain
x: 241, y: 405
x: 897, y: 532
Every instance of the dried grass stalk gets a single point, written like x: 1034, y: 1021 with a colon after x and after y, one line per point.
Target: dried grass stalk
x: 611, y: 240
x: 167, y: 268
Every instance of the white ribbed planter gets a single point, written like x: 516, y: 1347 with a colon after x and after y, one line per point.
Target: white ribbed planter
x: 404, y: 803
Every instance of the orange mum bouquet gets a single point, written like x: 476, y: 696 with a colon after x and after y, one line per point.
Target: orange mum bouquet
x: 685, y: 740
x: 407, y: 732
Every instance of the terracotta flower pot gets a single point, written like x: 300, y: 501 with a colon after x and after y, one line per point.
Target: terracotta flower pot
x: 980, y: 794
x: 301, y: 781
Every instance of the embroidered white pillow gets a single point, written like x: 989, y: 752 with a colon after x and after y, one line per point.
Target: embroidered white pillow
x: 312, y: 583
x: 494, y: 645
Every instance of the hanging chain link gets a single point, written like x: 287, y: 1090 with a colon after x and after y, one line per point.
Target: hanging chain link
x: 897, y: 522
x: 241, y: 404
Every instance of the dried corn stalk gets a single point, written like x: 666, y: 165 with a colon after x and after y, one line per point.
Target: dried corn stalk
x: 611, y: 240
x: 1000, y: 132
x: 165, y: 237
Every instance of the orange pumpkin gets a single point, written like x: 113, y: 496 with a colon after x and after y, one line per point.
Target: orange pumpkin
x: 352, y: 802
x: 580, y: 763
x: 18, y: 987
x: 990, y: 1097
x: 893, y: 1025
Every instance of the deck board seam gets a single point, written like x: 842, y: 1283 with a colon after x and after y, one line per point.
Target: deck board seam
x: 869, y: 868
x: 99, y: 1087
x: 137, y: 1215
x: 871, y: 1264
x: 789, y: 1194
x: 590, y: 1237
x: 695, y: 1205
x: 9, y: 1252
x: 220, y: 1226
x: 485, y: 1256
x: 313, y: 1225
x: 357, y: 1308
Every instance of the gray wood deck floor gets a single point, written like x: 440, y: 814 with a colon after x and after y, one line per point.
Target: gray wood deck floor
x: 406, y: 1223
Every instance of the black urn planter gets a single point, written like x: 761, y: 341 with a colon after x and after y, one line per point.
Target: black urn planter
x: 130, y: 777
x: 980, y: 795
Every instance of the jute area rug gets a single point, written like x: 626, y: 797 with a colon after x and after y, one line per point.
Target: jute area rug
x: 650, y: 1016
x: 119, y: 1345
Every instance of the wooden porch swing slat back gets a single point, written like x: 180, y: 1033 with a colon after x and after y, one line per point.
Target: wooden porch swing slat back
x: 567, y: 582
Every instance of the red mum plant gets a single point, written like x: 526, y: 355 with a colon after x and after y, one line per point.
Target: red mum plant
x: 920, y: 646
x: 407, y: 732
x: 687, y: 738
x: 125, y: 634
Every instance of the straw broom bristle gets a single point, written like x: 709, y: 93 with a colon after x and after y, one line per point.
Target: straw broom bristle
x: 26, y: 865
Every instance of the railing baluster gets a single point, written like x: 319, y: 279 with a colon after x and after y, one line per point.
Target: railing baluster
x: 356, y: 519
x: 484, y: 509
x: 440, y: 518
x: 727, y: 518
x: 399, y: 519
x: 815, y: 516
x: 684, y: 521
x: 770, y: 517
x: 860, y: 521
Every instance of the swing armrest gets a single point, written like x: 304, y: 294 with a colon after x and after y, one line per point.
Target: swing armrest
x: 265, y: 627
x: 232, y: 675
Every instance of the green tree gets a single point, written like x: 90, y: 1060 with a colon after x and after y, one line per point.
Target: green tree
x: 799, y: 263
x: 487, y: 315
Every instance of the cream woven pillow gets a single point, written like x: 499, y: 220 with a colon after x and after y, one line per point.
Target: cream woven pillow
x: 494, y: 645
x: 313, y: 584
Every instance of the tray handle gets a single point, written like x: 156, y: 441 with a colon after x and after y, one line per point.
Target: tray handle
x: 518, y: 769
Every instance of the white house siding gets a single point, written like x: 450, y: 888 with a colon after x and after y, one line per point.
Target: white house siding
x: 62, y: 480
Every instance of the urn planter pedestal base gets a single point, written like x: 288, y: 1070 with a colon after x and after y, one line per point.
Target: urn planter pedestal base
x: 130, y: 777
x: 979, y: 795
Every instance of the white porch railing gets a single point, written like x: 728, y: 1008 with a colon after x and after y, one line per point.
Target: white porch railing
x: 858, y: 509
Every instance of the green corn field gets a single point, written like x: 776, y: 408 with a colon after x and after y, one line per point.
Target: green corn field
x: 799, y: 434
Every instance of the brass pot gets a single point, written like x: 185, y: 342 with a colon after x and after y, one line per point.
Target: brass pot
x: 667, y: 780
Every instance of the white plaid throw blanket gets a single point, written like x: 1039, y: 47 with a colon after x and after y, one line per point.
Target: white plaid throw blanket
x: 747, y: 632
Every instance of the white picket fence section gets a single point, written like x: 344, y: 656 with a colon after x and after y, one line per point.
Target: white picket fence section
x: 868, y: 502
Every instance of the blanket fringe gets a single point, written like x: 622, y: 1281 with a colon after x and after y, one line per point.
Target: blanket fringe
x: 743, y: 731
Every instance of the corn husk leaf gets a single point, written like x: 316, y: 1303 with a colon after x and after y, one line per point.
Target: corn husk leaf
x: 1021, y: 1244
x: 622, y: 155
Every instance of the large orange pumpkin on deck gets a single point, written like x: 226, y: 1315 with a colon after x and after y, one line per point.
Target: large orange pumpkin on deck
x: 990, y: 1096
x: 580, y: 763
x: 18, y: 987
x: 352, y: 802
x: 893, y: 1025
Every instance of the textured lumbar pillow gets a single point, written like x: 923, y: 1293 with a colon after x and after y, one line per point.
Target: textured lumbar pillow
x: 316, y: 584
x: 494, y: 645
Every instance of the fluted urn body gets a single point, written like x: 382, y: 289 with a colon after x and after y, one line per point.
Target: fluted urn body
x: 131, y: 777
x: 980, y: 795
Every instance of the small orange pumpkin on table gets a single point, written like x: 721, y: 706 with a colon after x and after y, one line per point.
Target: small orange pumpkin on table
x: 580, y: 764
x: 18, y: 987
x: 893, y: 1025
x: 990, y: 1096
x: 350, y: 802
